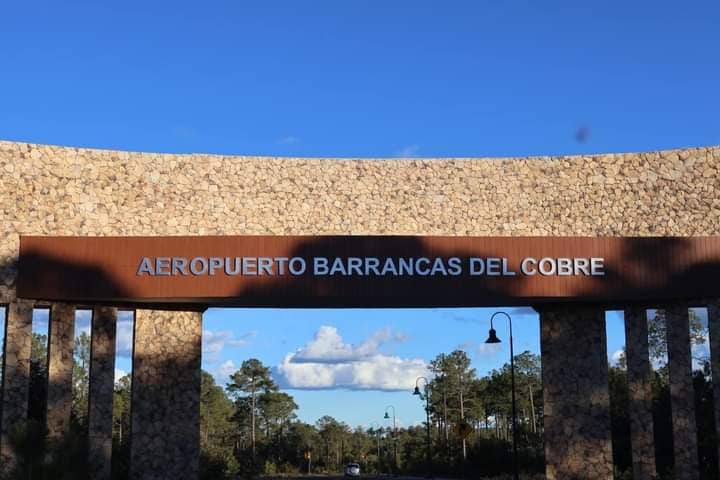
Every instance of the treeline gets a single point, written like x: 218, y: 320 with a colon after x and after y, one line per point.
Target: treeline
x: 250, y: 428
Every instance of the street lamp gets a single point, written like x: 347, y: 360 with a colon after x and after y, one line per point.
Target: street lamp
x: 387, y: 417
x: 425, y: 397
x: 492, y: 338
x: 377, y: 434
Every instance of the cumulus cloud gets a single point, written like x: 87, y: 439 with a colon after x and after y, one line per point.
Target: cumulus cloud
x: 328, y: 362
x: 124, y: 334
x: 617, y: 357
x: 213, y: 342
x: 223, y: 372
x: 119, y: 374
x: 327, y: 346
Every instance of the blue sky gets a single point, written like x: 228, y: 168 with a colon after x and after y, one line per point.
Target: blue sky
x: 351, y: 78
x: 360, y: 79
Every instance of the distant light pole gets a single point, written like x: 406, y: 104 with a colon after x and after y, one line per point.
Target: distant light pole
x: 426, y: 397
x: 492, y: 338
x: 377, y: 434
x: 387, y: 417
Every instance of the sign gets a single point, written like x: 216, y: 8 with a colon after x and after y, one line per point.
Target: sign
x: 366, y: 271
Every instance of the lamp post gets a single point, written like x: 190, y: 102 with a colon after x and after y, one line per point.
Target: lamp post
x: 377, y: 434
x: 492, y: 338
x: 425, y: 397
x: 387, y: 417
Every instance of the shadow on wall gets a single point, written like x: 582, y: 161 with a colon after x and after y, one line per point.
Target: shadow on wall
x: 656, y: 271
x: 375, y: 291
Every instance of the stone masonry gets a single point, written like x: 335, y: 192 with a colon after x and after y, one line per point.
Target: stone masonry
x: 165, y: 442
x: 16, y: 372
x: 575, y: 392
x: 640, y: 393
x: 102, y: 382
x: 682, y: 396
x: 49, y: 190
x: 60, y: 368
x: 72, y: 191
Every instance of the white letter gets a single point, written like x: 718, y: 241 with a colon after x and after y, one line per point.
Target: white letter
x: 295, y: 270
x: 215, y: 263
x: 564, y: 266
x: 597, y: 266
x: 525, y: 266
x: 543, y: 263
x: 455, y: 265
x: 477, y: 266
x: 320, y: 266
x: 145, y: 267
x: 203, y: 266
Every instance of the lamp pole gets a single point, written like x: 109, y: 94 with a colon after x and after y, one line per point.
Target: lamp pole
x: 425, y: 397
x: 377, y: 435
x: 394, y: 434
x: 492, y: 338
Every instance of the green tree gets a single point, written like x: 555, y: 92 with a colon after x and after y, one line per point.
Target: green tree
x: 277, y: 410
x: 81, y: 379
x: 333, y: 434
x: 216, y: 430
x: 252, y: 378
x: 657, y: 337
x: 37, y: 399
x: 216, y: 411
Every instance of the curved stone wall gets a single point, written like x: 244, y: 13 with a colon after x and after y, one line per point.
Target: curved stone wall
x: 71, y: 191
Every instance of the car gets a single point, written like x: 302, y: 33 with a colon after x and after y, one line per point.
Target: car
x: 352, y: 470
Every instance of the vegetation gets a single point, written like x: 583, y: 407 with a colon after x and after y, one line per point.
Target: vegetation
x: 248, y: 427
x: 251, y: 428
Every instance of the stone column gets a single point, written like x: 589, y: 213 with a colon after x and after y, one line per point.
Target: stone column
x: 682, y: 395
x: 713, y: 310
x: 165, y: 409
x: 16, y: 372
x: 101, y: 392
x: 60, y: 366
x: 575, y: 391
x: 640, y: 393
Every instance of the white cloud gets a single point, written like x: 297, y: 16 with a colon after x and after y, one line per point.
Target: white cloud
x: 213, y: 342
x: 124, y: 335
x: 488, y: 349
x: 408, y: 151
x: 327, y: 346
x: 119, y: 374
x: 328, y: 362
x: 617, y: 356
x: 222, y: 374
x: 289, y: 140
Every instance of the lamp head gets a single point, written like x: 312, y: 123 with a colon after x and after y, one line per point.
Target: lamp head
x: 386, y: 417
x: 416, y: 392
x: 492, y: 337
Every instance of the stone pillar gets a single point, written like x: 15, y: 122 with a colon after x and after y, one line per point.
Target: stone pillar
x: 16, y: 372
x: 682, y: 395
x: 713, y: 310
x: 165, y: 409
x: 60, y: 366
x: 575, y: 391
x: 101, y: 392
x: 640, y: 393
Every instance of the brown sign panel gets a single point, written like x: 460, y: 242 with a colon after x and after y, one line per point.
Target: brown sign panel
x: 366, y: 271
